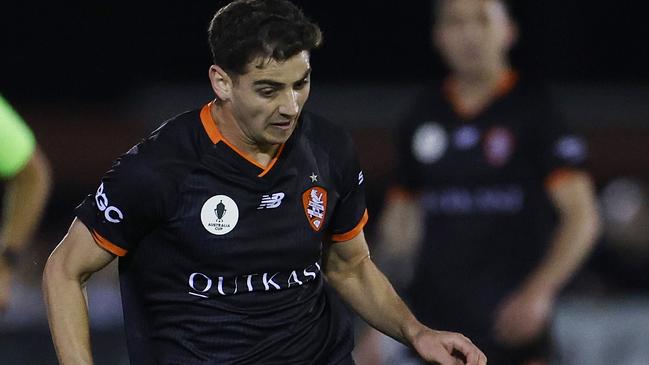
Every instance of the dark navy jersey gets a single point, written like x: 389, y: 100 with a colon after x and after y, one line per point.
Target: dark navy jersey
x: 220, y: 257
x: 482, y: 184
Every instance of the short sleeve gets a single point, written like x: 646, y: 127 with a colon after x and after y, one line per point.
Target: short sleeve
x: 557, y: 149
x: 17, y: 142
x: 127, y: 205
x: 350, y: 214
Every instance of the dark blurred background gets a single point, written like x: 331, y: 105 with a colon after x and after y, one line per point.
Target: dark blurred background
x: 92, y: 78
x: 96, y: 51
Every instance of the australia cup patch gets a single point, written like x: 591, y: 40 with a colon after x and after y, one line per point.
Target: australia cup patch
x: 220, y: 215
x: 314, y: 201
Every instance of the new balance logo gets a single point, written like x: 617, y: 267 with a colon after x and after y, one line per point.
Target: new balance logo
x: 271, y: 201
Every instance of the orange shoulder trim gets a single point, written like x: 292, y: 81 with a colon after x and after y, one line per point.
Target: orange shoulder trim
x: 558, y: 176
x: 399, y: 193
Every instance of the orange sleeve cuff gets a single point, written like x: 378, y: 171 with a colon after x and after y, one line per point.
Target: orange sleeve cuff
x: 107, y: 245
x: 353, y: 232
x: 558, y: 176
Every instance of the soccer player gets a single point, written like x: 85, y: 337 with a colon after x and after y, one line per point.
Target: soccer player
x: 233, y: 221
x: 26, y: 174
x: 485, y: 165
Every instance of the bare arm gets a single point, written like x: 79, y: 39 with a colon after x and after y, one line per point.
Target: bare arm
x: 525, y: 313
x: 578, y: 229
x: 400, y: 222
x: 352, y: 273
x: 25, y: 197
x: 64, y: 278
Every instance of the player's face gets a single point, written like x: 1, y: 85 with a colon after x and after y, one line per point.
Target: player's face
x: 267, y: 100
x: 473, y: 35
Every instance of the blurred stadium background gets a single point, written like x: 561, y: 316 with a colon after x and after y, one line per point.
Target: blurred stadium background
x: 92, y: 78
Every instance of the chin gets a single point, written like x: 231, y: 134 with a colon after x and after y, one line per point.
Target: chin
x: 279, y: 136
x: 276, y: 139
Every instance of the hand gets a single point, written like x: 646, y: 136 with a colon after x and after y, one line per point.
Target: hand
x: 447, y: 348
x: 523, y: 316
x: 5, y: 286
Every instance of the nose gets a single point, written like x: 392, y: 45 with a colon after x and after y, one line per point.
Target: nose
x: 289, y: 106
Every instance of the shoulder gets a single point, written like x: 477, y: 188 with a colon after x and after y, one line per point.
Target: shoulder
x: 532, y: 91
x: 165, y: 154
x: 333, y: 146
x: 429, y: 103
x: 426, y: 95
x: 316, y: 126
x: 539, y: 112
x: 179, y: 137
x: 325, y: 135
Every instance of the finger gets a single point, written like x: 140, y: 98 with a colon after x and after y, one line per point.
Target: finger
x: 483, y: 358
x: 469, y: 350
x: 465, y: 338
x: 443, y: 357
x: 480, y: 358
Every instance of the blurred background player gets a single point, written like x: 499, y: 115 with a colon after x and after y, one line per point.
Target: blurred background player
x: 491, y: 194
x: 26, y: 176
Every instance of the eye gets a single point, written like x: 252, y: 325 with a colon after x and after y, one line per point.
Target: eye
x: 301, y: 84
x: 267, y: 92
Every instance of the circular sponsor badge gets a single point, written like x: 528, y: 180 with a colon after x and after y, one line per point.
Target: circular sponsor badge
x: 429, y: 142
x: 220, y: 214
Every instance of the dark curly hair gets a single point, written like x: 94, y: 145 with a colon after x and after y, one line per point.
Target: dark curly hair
x: 248, y: 29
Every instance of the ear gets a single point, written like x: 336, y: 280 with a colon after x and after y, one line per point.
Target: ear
x: 221, y: 83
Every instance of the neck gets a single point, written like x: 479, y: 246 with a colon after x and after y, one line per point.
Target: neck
x: 235, y: 135
x: 471, y: 93
x: 479, y: 82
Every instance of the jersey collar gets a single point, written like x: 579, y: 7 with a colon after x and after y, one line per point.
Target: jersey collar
x: 507, y: 81
x: 212, y: 130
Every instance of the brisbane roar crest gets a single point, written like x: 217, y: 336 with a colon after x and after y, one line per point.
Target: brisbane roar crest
x: 314, y: 201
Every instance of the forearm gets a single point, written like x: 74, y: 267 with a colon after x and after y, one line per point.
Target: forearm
x: 371, y: 295
x: 579, y: 226
x: 24, y: 201
x: 400, y: 222
x: 67, y: 313
x: 573, y: 241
